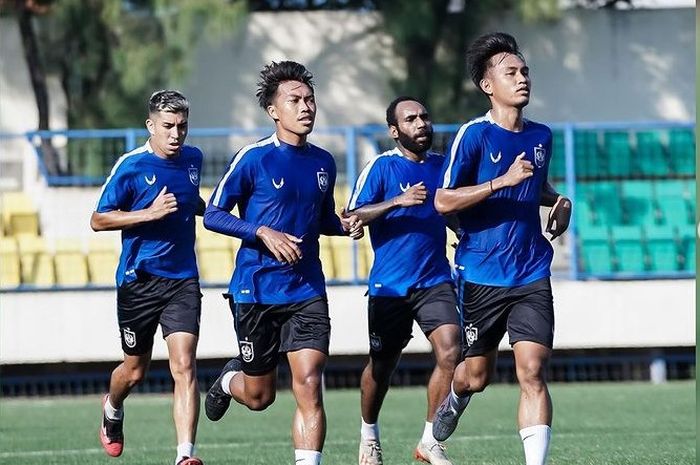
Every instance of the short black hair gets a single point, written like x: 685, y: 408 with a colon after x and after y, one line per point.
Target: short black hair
x: 391, y: 119
x: 485, y: 47
x: 170, y: 101
x: 274, y: 74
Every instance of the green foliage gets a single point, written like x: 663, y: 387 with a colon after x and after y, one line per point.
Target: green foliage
x: 111, y: 54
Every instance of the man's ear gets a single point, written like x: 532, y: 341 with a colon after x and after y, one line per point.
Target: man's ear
x: 485, y: 85
x: 393, y: 132
x: 151, y: 126
x: 272, y: 111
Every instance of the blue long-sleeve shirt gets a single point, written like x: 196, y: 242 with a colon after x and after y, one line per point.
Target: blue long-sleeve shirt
x: 288, y: 189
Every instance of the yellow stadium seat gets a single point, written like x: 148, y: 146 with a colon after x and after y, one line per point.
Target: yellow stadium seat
x: 326, y: 255
x: 215, y: 255
x: 71, y: 265
x: 102, y: 260
x: 36, y: 264
x: 342, y: 257
x: 9, y: 263
x: 19, y: 215
x: 341, y: 195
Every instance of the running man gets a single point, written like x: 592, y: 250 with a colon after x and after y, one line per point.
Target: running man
x: 495, y: 179
x: 283, y: 187
x: 410, y: 278
x: 152, y: 196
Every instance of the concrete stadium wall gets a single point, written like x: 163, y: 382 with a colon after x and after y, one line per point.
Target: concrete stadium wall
x: 37, y: 327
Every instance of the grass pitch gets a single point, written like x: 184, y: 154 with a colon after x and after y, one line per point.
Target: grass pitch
x: 594, y: 424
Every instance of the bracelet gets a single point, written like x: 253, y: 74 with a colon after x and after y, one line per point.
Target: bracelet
x: 491, y: 185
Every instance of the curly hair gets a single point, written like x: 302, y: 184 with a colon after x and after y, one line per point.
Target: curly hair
x: 484, y: 48
x: 275, y: 74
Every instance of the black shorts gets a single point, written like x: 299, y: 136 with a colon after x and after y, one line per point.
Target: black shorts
x: 390, y: 319
x: 266, y: 330
x: 174, y: 303
x: 488, y: 312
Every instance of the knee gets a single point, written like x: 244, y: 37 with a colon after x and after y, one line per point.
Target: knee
x: 449, y: 358
x: 182, y: 368
x: 473, y: 382
x: 531, y: 376
x: 260, y: 401
x: 135, y: 375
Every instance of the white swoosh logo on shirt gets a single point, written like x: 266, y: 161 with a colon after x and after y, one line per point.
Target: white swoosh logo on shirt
x: 278, y: 185
x: 495, y: 159
x: 404, y: 189
x: 151, y: 181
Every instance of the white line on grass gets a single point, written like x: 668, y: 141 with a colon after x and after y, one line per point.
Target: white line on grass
x: 237, y: 445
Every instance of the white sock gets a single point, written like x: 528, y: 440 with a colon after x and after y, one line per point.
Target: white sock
x: 457, y: 402
x: 186, y: 449
x: 226, y: 381
x: 428, y: 438
x: 536, y: 443
x: 307, y: 457
x: 369, y: 432
x: 113, y: 413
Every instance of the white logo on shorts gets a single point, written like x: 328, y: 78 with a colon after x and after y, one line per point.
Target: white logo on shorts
x: 375, y: 342
x: 472, y: 334
x: 129, y: 338
x: 247, y: 352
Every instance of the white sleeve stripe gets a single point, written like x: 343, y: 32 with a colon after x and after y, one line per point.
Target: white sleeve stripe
x: 360, y: 184
x: 455, y: 145
x: 136, y: 151
x: 220, y: 187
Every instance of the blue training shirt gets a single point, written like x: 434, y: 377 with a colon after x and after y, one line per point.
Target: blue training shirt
x: 502, y: 244
x: 164, y: 247
x: 408, y: 242
x: 288, y: 189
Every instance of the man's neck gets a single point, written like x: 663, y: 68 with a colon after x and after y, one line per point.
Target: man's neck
x: 290, y: 138
x: 510, y: 118
x: 413, y: 156
x: 159, y: 153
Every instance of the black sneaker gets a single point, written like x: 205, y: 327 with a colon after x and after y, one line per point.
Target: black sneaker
x: 445, y: 420
x: 111, y: 433
x: 217, y: 400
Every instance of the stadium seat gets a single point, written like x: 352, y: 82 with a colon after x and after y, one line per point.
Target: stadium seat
x: 70, y: 263
x: 19, y: 214
x: 326, y: 255
x: 638, y: 205
x: 102, y: 260
x: 630, y: 255
x: 606, y: 202
x: 618, y: 153
x: 36, y: 264
x: 681, y: 147
x: 594, y: 251
x: 687, y: 237
x: 9, y: 263
x: 341, y: 195
x: 215, y: 257
x: 587, y: 155
x: 651, y: 157
x: 557, y: 164
x: 675, y: 206
x: 342, y: 257
x: 663, y: 247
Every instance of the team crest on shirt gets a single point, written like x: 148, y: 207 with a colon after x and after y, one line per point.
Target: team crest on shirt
x: 129, y: 338
x: 247, y: 352
x: 322, y: 177
x: 194, y: 175
x: 539, y: 156
x: 375, y: 342
x: 472, y: 334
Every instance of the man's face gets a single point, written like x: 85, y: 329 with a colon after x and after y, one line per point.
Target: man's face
x: 414, y: 130
x: 168, y: 132
x: 294, y: 108
x: 507, y: 80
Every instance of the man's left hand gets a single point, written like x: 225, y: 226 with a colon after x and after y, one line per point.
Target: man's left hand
x: 559, y: 217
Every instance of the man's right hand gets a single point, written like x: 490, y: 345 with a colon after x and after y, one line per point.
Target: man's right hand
x: 283, y: 246
x: 414, y: 195
x: 163, y: 205
x: 519, y: 171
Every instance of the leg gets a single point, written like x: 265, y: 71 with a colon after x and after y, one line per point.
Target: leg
x: 374, y: 385
x: 309, y: 424
x: 535, y: 408
x: 182, y: 350
x: 125, y: 376
x: 447, y: 349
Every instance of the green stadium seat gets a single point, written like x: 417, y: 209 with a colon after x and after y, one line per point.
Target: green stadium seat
x: 673, y: 200
x: 687, y: 235
x: 589, y: 163
x: 638, y: 205
x: 651, y: 157
x: 606, y: 202
x: 681, y: 148
x: 594, y: 251
x: 619, y: 153
x: 557, y: 164
x: 663, y: 248
x: 629, y: 250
